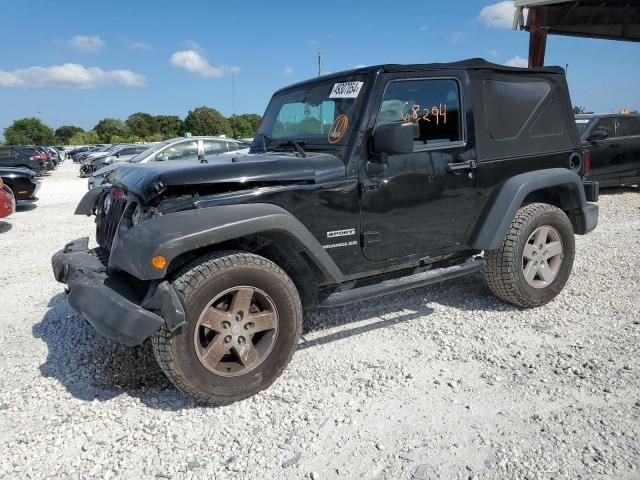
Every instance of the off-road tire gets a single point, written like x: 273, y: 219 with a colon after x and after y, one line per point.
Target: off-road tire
x: 503, y: 268
x: 197, y: 283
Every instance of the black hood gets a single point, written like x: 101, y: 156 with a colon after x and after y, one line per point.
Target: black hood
x: 150, y: 179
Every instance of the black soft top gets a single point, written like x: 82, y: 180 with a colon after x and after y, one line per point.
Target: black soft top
x: 469, y: 64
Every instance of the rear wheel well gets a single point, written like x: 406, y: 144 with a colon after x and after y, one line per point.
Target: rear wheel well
x: 565, y: 197
x: 280, y: 248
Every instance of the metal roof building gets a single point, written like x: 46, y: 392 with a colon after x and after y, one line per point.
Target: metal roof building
x: 605, y: 19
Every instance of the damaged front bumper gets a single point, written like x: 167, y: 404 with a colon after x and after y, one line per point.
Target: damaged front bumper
x: 108, y: 301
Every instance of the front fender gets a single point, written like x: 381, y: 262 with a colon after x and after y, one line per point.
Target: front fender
x: 496, y: 217
x: 88, y: 202
x: 177, y: 233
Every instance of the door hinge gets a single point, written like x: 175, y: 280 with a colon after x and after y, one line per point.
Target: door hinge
x: 370, y: 238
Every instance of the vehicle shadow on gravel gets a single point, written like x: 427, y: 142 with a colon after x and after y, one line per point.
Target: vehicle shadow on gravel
x: 5, y: 227
x: 468, y: 293
x: 619, y: 190
x: 92, y: 367
x: 26, y: 207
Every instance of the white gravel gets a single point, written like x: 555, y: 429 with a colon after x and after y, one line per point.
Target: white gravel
x: 441, y: 382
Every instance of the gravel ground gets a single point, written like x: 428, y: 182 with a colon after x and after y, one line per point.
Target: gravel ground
x: 441, y: 382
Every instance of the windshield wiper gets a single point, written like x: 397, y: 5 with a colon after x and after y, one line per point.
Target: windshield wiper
x: 265, y: 137
x: 296, y: 145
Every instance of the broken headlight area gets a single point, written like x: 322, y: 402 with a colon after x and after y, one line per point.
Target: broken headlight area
x: 141, y: 214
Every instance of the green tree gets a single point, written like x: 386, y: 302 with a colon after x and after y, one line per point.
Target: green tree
x: 170, y: 126
x: 84, y: 138
x: 142, y: 124
x: 207, y: 121
x: 64, y: 133
x: 124, y: 139
x: 577, y: 109
x: 28, y: 131
x: 245, y: 125
x: 109, y: 127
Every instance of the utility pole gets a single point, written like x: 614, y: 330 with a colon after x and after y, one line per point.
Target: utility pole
x: 319, y: 64
x: 233, y: 91
x: 566, y: 69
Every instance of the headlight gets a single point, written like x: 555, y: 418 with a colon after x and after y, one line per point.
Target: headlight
x: 138, y: 213
x: 141, y: 214
x: 107, y: 204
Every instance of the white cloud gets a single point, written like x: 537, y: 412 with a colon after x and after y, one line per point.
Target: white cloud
x: 68, y: 75
x: 139, y: 46
x: 288, y: 71
x: 87, y: 44
x: 517, y: 61
x: 359, y: 65
x: 193, y: 62
x: 498, y: 15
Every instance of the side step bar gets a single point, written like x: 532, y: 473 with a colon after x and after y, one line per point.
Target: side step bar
x: 400, y: 284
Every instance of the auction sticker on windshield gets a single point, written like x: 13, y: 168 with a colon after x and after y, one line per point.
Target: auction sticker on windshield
x: 346, y: 90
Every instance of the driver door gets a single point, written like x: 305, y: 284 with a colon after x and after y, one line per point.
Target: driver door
x: 417, y: 203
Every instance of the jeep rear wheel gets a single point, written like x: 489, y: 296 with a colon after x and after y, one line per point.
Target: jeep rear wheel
x: 244, y: 321
x: 534, y: 262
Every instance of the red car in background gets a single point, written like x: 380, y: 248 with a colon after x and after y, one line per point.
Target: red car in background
x: 7, y: 201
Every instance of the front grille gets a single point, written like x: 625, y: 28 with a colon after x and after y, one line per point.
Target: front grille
x: 108, y: 222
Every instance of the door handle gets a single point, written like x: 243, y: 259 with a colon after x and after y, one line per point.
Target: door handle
x: 458, y: 166
x: 614, y: 145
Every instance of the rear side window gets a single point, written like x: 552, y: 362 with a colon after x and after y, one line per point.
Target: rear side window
x: 28, y: 151
x: 629, y: 126
x: 523, y: 114
x: 607, y: 125
x: 212, y: 147
x: 433, y: 106
x: 5, y: 152
x: 510, y: 107
x: 181, y: 151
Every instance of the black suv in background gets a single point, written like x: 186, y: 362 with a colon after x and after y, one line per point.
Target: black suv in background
x: 613, y: 141
x: 25, y: 157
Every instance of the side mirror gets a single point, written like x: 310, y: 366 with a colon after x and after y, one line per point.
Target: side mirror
x: 161, y: 157
x: 393, y: 138
x: 597, y: 135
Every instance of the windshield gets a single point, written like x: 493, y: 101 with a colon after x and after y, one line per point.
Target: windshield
x: 321, y: 113
x: 150, y: 151
x: 582, y: 124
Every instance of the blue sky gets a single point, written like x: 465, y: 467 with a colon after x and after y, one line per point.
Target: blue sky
x: 73, y: 63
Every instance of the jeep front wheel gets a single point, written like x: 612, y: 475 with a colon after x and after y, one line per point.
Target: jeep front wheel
x: 244, y: 321
x: 534, y: 262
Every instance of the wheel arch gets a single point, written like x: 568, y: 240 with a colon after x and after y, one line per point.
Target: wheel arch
x: 264, y: 229
x: 281, y: 248
x: 558, y: 186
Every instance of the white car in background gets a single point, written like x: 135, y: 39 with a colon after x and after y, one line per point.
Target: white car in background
x: 182, y: 149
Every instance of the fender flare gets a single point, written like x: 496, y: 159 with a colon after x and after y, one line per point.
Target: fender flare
x: 181, y: 232
x: 495, y: 219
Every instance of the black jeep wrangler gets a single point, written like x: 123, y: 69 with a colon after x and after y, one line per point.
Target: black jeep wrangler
x: 358, y: 184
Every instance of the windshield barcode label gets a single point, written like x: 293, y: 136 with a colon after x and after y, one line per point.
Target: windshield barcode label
x: 346, y: 90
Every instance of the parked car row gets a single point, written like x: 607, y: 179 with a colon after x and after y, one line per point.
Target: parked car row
x: 204, y: 149
x: 40, y: 159
x: 20, y: 165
